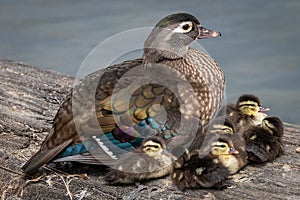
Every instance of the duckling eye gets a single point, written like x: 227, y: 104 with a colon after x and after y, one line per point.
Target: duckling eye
x: 222, y: 146
x: 227, y: 130
x: 184, y: 27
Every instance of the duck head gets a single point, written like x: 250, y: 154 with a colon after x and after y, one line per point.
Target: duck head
x: 222, y: 147
x: 154, y: 147
x: 222, y: 126
x: 250, y: 105
x: 273, y: 125
x: 171, y: 36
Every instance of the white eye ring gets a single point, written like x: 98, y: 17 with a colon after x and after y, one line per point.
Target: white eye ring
x: 184, y: 27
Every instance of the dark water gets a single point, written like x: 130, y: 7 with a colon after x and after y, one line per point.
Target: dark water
x: 259, y: 50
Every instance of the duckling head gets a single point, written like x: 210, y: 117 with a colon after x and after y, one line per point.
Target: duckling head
x: 154, y: 147
x: 226, y: 154
x: 250, y: 105
x: 222, y: 126
x: 221, y: 148
x: 171, y: 36
x: 273, y: 125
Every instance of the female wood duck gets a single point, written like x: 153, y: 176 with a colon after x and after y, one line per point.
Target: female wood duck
x: 248, y: 111
x: 150, y: 160
x: 207, y: 167
x: 112, y: 110
x: 264, y: 143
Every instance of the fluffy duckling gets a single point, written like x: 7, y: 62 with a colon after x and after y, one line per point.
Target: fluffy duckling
x: 248, y: 111
x: 235, y: 162
x: 223, y: 128
x: 226, y: 127
x: 207, y: 167
x: 264, y: 143
x: 150, y: 160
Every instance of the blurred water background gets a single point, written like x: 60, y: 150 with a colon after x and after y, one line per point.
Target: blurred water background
x: 259, y: 50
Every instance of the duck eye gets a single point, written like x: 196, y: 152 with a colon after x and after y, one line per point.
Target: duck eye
x: 222, y: 146
x: 184, y: 27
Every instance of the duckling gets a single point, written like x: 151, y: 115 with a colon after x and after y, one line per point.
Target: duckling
x: 264, y: 143
x: 248, y: 111
x: 222, y: 128
x: 226, y: 127
x: 206, y: 167
x: 150, y: 160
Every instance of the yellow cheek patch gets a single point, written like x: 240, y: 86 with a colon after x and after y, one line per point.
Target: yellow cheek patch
x: 219, y: 128
x: 151, y: 147
x: 248, y: 103
x: 268, y: 126
x: 249, y: 107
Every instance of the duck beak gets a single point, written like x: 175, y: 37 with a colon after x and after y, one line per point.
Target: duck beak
x: 233, y: 151
x: 206, y: 33
x: 262, y: 109
x: 165, y: 152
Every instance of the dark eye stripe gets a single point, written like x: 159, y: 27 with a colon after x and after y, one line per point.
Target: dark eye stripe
x: 267, y: 125
x: 154, y: 146
x: 248, y: 105
x: 221, y: 145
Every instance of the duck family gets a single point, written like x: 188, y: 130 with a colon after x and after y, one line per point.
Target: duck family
x: 162, y: 115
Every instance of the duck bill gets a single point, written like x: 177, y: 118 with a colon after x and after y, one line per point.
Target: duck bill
x: 262, y: 109
x: 165, y: 152
x: 206, y: 33
x: 233, y: 151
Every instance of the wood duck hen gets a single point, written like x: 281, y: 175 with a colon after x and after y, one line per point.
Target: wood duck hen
x: 112, y: 110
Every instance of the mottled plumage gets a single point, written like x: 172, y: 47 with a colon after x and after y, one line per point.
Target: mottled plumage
x: 264, y: 143
x: 112, y: 110
x: 206, y: 167
x: 150, y: 160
